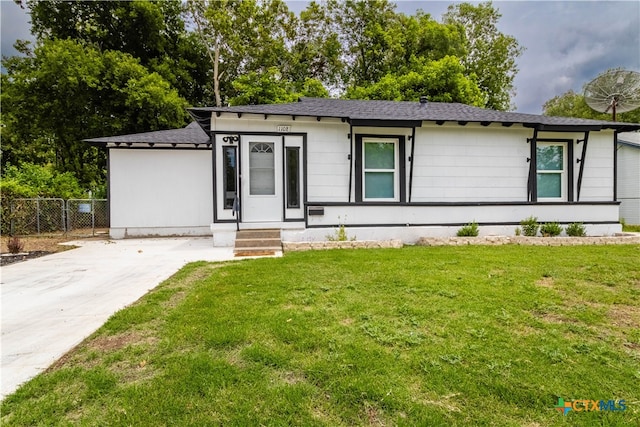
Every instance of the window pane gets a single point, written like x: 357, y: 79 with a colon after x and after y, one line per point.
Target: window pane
x: 378, y: 185
x: 549, y: 185
x: 549, y: 158
x: 379, y: 155
x: 261, y: 169
x: 229, y: 166
x: 293, y: 177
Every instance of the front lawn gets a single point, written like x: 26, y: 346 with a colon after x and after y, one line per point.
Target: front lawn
x: 433, y: 336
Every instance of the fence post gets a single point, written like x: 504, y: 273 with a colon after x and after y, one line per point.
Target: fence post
x: 38, y: 215
x: 93, y: 216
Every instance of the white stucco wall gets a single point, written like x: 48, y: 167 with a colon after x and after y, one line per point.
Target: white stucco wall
x: 160, y: 192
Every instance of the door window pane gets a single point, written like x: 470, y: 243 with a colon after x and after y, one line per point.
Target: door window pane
x: 229, y: 167
x: 261, y: 169
x: 293, y: 177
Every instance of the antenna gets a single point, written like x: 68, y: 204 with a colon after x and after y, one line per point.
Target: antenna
x: 615, y: 90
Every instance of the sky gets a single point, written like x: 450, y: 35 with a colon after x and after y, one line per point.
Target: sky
x: 567, y: 43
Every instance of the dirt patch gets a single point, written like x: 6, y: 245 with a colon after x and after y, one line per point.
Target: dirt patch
x: 545, y: 282
x: 627, y: 316
x: 34, y: 247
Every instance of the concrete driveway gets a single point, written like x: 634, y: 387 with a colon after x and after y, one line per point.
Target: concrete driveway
x: 50, y: 304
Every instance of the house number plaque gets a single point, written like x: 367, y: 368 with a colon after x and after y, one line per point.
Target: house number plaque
x: 283, y: 128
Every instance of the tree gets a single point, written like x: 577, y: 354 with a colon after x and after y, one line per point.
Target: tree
x: 152, y: 31
x: 362, y: 28
x: 271, y: 88
x: 242, y: 36
x: 65, y: 92
x: 571, y: 104
x: 491, y: 56
x: 441, y: 81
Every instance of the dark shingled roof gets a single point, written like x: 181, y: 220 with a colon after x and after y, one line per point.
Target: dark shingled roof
x: 404, y: 111
x: 191, y: 134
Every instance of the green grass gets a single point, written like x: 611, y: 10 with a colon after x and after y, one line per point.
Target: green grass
x: 435, y: 336
x: 631, y: 228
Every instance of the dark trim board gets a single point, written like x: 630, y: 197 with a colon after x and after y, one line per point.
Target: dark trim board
x: 427, y: 204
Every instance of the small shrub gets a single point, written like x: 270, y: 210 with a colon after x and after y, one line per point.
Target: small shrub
x: 518, y: 231
x: 550, y: 229
x: 15, y: 245
x: 469, y: 230
x: 530, y: 226
x: 340, y: 235
x: 576, y: 229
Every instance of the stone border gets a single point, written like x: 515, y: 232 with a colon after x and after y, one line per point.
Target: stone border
x: 347, y: 244
x: 624, y: 239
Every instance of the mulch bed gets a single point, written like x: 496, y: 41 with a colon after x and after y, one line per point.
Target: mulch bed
x: 7, y: 259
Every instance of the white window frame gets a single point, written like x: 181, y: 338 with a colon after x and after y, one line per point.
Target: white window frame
x: 395, y: 170
x: 563, y: 172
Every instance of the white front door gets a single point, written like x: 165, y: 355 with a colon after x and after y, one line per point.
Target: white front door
x: 262, y: 189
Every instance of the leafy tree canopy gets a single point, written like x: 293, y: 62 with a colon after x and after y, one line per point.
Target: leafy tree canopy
x: 153, y: 31
x: 441, y: 81
x: 572, y: 104
x: 66, y: 92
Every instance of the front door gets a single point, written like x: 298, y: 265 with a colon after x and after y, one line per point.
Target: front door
x: 262, y: 189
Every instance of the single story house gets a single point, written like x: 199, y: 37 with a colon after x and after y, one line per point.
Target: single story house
x: 383, y: 169
x: 629, y: 176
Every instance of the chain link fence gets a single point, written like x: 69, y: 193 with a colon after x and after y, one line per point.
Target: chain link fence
x: 78, y: 217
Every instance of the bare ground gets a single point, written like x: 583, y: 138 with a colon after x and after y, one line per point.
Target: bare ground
x: 34, y: 247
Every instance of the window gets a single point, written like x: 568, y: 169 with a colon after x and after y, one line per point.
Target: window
x: 550, y: 165
x: 229, y: 175
x: 293, y: 176
x: 262, y: 178
x: 380, y: 171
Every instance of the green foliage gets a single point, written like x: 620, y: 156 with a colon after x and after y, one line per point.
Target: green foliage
x: 29, y: 180
x: 340, y: 234
x: 530, y: 226
x: 576, y: 229
x: 164, y: 46
x: 441, y: 81
x: 469, y: 230
x: 66, y: 92
x: 491, y: 55
x: 572, y: 104
x: 550, y: 229
x: 271, y: 88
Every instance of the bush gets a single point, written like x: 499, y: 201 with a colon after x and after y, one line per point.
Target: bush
x: 550, y: 229
x: 576, y: 229
x: 530, y: 226
x: 469, y: 230
x: 15, y: 245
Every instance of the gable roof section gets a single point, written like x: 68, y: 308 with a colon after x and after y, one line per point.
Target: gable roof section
x: 191, y: 136
x: 390, y: 113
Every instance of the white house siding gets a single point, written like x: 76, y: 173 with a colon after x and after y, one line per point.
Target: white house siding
x: 473, y: 163
x: 160, y: 192
x: 629, y: 183
x: 597, y: 181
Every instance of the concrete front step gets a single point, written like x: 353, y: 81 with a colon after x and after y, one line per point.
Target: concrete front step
x: 257, y: 242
